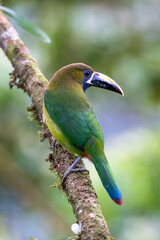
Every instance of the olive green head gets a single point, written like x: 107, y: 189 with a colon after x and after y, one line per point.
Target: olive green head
x: 71, y: 74
x: 82, y: 76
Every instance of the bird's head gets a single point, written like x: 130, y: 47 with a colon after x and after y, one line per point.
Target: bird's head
x: 86, y: 77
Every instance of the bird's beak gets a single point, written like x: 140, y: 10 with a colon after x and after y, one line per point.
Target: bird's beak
x: 102, y: 81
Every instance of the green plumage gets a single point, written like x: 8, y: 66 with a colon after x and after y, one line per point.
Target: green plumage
x: 96, y: 152
x: 73, y: 114
x: 72, y: 120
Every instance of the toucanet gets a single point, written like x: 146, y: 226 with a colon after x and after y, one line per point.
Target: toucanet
x: 72, y: 120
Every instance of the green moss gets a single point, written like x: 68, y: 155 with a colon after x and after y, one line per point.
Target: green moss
x: 10, y: 51
x: 33, y: 115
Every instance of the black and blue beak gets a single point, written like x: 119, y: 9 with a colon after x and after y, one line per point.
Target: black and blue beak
x: 102, y: 81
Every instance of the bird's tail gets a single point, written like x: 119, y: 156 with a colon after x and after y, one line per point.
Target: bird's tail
x: 95, y: 150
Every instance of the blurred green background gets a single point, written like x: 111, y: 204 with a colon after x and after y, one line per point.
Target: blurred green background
x: 118, y: 38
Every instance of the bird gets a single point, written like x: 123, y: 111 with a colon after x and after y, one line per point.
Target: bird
x: 72, y: 121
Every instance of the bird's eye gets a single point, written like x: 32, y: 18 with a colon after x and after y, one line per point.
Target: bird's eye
x: 87, y: 73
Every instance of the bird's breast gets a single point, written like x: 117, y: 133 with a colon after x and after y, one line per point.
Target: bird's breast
x: 57, y: 133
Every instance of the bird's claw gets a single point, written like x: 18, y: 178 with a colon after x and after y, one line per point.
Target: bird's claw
x: 69, y: 171
x: 72, y: 169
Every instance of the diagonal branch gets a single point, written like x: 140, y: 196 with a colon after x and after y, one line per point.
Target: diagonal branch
x: 77, y: 187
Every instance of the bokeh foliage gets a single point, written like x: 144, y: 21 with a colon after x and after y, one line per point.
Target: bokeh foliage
x: 122, y: 40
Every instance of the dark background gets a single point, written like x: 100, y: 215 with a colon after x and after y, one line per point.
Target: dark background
x: 122, y: 40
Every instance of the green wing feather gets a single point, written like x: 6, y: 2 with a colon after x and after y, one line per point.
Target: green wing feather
x: 73, y: 114
x: 76, y: 119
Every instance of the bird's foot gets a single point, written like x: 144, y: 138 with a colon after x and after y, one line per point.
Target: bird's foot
x: 72, y: 169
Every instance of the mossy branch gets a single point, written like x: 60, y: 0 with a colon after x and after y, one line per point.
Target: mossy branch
x: 78, y: 188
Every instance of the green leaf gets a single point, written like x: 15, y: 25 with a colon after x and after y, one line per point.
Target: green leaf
x: 26, y: 24
x: 32, y: 238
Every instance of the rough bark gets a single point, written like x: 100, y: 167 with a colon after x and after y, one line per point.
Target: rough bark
x: 78, y: 188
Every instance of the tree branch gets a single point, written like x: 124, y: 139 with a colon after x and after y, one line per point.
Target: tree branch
x: 77, y: 187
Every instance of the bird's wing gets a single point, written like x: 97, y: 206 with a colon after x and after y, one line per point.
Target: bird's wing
x: 73, y: 114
